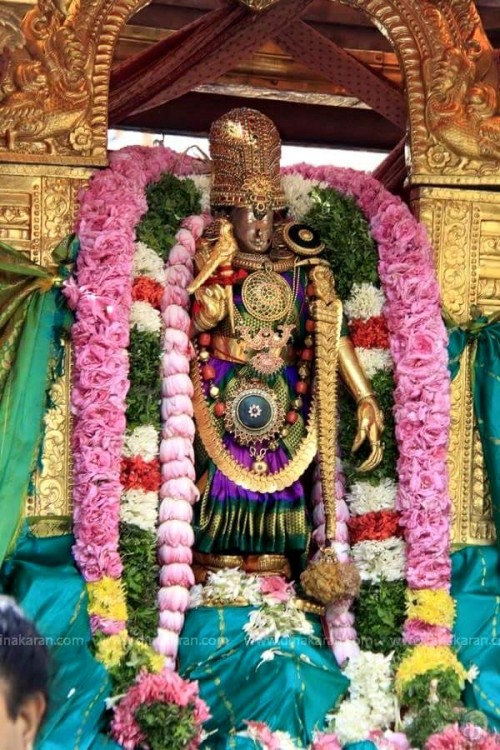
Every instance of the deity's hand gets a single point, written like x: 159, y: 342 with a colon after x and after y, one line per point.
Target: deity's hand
x: 212, y: 302
x: 370, y: 426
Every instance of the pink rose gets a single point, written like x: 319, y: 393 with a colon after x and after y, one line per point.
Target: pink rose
x: 324, y: 741
x: 276, y: 589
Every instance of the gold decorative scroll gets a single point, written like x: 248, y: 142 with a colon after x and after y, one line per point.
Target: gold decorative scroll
x: 54, y: 77
x: 451, y: 81
x: 464, y: 226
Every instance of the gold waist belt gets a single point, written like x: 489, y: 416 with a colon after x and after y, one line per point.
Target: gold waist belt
x: 260, y: 564
x: 233, y: 350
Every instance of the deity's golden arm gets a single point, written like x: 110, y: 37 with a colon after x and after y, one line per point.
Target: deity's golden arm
x: 370, y: 417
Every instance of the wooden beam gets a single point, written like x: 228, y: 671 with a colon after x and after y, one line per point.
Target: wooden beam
x: 323, y: 56
x: 218, y: 41
x: 297, y: 123
x: 392, y: 172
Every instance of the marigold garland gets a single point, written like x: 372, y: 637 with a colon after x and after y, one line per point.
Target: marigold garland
x: 423, y: 658
x: 435, y: 607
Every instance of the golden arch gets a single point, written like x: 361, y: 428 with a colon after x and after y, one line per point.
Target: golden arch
x: 55, y: 87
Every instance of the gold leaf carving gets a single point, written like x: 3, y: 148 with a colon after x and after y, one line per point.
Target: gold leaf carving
x: 10, y: 32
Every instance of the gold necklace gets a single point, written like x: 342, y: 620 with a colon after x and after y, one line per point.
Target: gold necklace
x: 255, y: 262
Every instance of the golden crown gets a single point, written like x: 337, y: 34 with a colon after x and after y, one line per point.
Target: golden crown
x: 245, y: 149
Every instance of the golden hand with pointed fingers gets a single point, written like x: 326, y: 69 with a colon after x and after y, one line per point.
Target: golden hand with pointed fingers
x: 370, y: 417
x: 370, y: 427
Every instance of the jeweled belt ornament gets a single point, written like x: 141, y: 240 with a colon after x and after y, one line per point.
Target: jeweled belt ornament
x: 266, y: 347
x: 254, y: 414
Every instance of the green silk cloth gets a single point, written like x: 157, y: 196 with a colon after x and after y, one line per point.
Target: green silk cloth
x: 41, y: 575
x: 476, y: 569
x: 33, y: 319
x: 476, y: 590
x: 483, y: 333
x: 291, y: 692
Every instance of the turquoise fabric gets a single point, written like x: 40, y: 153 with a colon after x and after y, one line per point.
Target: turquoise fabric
x: 363, y: 745
x: 41, y: 576
x: 292, y: 692
x: 476, y: 590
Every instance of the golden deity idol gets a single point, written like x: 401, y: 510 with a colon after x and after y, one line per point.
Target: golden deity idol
x: 270, y: 337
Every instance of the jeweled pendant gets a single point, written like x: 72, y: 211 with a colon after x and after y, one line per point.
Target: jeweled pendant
x: 260, y: 467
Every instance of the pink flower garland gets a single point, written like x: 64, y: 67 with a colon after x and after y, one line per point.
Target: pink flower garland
x: 422, y: 400
x: 110, y: 209
x: 339, y: 620
x: 178, y: 491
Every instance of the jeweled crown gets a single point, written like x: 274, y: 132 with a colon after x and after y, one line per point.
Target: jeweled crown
x: 245, y: 149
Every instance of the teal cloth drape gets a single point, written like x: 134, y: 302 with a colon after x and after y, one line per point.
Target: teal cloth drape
x: 475, y: 569
x: 291, y: 692
x: 41, y: 576
x: 483, y: 333
x: 476, y: 590
x: 33, y: 319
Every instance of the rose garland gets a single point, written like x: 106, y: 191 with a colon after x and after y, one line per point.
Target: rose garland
x: 102, y: 301
x: 101, y: 295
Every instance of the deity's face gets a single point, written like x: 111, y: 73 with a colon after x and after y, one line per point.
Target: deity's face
x: 252, y: 235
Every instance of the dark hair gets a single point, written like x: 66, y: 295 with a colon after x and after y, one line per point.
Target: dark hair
x: 24, y: 658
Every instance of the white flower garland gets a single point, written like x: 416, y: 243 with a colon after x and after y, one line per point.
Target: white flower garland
x: 371, y: 703
x: 366, y: 498
x: 380, y: 560
x: 146, y: 262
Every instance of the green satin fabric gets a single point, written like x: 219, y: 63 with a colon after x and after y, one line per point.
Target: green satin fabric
x: 33, y: 319
x: 476, y: 590
x: 483, y: 333
x: 42, y: 577
x: 291, y: 693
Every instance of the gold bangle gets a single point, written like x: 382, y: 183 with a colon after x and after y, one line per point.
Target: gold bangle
x: 359, y: 399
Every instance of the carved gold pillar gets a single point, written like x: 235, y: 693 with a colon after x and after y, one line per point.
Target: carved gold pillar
x: 37, y: 209
x: 464, y: 226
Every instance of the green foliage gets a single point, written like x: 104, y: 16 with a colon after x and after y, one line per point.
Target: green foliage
x: 170, y: 200
x: 167, y: 725
x: 350, y: 248
x: 140, y: 575
x: 143, y: 398
x: 380, y: 614
x: 430, y: 720
x: 447, y: 688
x: 144, y: 357
x: 136, y: 657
